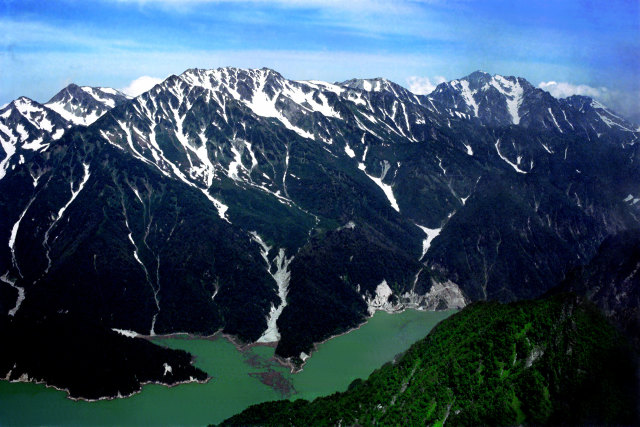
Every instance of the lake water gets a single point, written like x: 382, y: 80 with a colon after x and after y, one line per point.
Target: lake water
x: 237, y: 379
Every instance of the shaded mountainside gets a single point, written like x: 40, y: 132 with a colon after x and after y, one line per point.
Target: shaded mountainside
x: 242, y: 201
x: 86, y: 360
x: 550, y: 361
x: 612, y: 281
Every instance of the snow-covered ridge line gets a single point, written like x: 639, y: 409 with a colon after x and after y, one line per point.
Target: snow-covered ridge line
x: 72, y: 103
x: 307, y: 95
x: 16, y: 134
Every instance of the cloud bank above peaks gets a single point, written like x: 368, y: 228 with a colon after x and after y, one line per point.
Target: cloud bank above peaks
x: 424, y: 85
x: 140, y: 85
x: 626, y: 103
x: 564, y: 89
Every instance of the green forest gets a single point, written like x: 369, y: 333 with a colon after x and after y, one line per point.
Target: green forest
x: 549, y: 361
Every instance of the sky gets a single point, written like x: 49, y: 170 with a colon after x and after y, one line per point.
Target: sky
x: 566, y: 47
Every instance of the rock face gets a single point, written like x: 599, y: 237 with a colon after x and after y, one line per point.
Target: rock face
x: 612, y: 281
x: 146, y: 219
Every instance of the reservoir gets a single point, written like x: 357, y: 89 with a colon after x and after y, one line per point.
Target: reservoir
x: 239, y: 378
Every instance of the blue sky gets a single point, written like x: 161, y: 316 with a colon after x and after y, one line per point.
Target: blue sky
x: 584, y: 46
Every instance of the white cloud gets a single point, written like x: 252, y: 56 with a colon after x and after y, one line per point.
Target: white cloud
x: 140, y: 85
x: 424, y: 85
x: 626, y: 103
x: 564, y: 89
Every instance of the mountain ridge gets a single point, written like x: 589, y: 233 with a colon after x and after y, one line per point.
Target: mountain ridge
x: 239, y: 200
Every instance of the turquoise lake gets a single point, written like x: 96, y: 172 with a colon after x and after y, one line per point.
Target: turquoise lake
x: 236, y: 378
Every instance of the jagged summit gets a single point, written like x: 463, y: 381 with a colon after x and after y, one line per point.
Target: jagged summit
x: 595, y: 111
x: 477, y: 77
x: 376, y: 84
x: 83, y: 105
x: 25, y: 126
x: 498, y: 100
x: 494, y: 99
x: 479, y: 73
x: 226, y: 74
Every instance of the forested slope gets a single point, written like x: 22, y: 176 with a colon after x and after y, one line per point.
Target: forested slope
x: 550, y: 361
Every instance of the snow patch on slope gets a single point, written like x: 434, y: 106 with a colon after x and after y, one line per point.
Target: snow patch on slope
x: 349, y: 151
x: 431, y: 233
x: 386, y: 188
x: 282, y: 276
x: 125, y: 332
x: 14, y: 234
x: 9, y: 148
x: 74, y: 194
x: 513, y: 94
x: 468, y: 96
x: 263, y: 106
x: 5, y: 278
x: 509, y: 162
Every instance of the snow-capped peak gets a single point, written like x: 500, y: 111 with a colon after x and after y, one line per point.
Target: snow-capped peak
x: 595, y: 111
x: 84, y: 105
x: 31, y: 119
x: 492, y: 98
x: 377, y: 84
x: 266, y: 92
x: 26, y: 125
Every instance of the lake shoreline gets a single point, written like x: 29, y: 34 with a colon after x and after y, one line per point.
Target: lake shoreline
x: 238, y: 344
x: 240, y: 375
x: 104, y: 398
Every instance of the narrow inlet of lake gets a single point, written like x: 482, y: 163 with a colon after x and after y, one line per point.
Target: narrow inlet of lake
x: 239, y: 379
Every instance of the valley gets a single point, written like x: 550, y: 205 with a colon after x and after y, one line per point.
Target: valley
x: 279, y: 212
x: 333, y: 213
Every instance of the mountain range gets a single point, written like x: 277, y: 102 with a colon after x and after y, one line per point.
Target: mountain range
x: 283, y: 211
